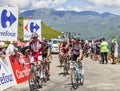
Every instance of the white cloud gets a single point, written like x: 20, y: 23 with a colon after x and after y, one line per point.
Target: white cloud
x: 22, y: 4
x: 40, y: 4
x: 60, y: 9
x: 109, y: 3
x: 57, y: 2
x: 69, y: 7
x: 75, y: 8
x: 25, y: 4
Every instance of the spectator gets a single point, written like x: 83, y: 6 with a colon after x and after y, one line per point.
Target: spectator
x: 12, y: 49
x: 114, y: 50
x: 104, y: 51
x: 2, y: 50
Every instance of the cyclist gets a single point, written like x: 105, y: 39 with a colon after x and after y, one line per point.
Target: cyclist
x: 77, y: 51
x: 35, y: 47
x: 46, y: 53
x: 64, y: 50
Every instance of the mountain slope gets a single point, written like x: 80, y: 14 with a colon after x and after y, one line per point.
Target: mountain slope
x: 89, y: 23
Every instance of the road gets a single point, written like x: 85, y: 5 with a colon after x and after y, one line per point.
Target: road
x: 98, y: 77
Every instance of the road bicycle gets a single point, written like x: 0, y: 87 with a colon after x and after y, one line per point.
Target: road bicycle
x: 45, y: 70
x: 66, y: 64
x: 34, y: 78
x: 77, y: 74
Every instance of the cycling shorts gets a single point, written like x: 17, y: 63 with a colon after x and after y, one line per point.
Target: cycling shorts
x: 75, y: 57
x: 35, y: 57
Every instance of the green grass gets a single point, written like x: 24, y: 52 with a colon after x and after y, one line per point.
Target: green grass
x: 47, y: 31
x: 119, y: 60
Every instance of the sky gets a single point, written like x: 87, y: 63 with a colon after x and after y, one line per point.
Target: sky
x: 101, y: 6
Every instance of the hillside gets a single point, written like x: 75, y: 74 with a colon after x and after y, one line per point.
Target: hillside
x: 47, y: 31
x: 89, y: 23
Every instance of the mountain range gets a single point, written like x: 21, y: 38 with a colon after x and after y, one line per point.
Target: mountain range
x: 90, y: 24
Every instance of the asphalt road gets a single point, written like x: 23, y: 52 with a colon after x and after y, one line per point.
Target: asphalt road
x: 98, y: 77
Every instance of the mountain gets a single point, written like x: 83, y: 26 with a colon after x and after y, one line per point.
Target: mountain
x: 47, y: 31
x: 89, y: 23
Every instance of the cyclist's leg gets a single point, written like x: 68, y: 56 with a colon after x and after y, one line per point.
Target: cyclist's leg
x: 47, y: 63
x: 40, y: 64
x: 62, y: 54
x: 68, y: 59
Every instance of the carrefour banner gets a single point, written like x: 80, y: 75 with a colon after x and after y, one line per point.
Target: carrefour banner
x: 21, y: 68
x: 8, y: 23
x: 31, y: 26
x: 7, y: 78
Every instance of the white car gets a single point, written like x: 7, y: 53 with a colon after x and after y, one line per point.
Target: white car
x: 55, y: 45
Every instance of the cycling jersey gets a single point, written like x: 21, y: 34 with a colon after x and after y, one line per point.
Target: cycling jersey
x: 45, y: 49
x: 62, y: 47
x: 36, y: 50
x: 76, y: 49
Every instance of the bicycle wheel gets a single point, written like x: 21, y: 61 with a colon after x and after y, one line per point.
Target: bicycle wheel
x: 45, y: 73
x: 74, y: 79
x: 32, y: 81
x: 60, y: 60
x: 65, y: 67
x: 82, y: 79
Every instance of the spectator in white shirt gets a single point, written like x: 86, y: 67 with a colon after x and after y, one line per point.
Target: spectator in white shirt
x: 12, y: 49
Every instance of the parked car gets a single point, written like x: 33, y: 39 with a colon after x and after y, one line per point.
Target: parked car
x: 55, y: 43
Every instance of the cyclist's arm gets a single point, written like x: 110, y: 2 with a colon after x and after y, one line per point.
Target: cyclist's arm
x: 66, y: 47
x: 80, y: 55
x: 48, y: 52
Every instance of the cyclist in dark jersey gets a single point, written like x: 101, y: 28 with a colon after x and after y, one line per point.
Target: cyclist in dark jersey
x: 76, y: 51
x: 46, y: 54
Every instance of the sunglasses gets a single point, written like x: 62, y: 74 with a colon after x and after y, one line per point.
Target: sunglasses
x: 34, y: 37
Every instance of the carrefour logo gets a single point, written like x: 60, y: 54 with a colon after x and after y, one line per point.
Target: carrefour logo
x: 32, y: 26
x: 7, y: 16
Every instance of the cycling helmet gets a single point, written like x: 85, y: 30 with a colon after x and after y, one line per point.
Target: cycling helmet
x: 76, y: 38
x: 34, y: 35
x: 64, y: 40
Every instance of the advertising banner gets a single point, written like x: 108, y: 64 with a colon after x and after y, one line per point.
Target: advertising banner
x: 7, y: 78
x: 21, y: 68
x: 8, y: 23
x: 30, y: 26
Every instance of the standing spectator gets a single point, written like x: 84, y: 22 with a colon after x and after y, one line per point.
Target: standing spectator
x: 12, y: 49
x: 97, y: 50
x: 104, y: 51
x: 114, y: 50
x: 115, y: 53
x: 2, y: 50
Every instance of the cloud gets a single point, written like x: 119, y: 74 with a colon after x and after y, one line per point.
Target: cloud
x: 58, y: 2
x: 22, y: 4
x: 33, y: 4
x: 60, y: 9
x: 75, y: 8
x: 40, y: 4
x: 69, y: 7
x: 109, y: 3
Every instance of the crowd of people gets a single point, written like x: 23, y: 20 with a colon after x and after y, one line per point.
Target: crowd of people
x: 74, y: 49
x: 98, y: 49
